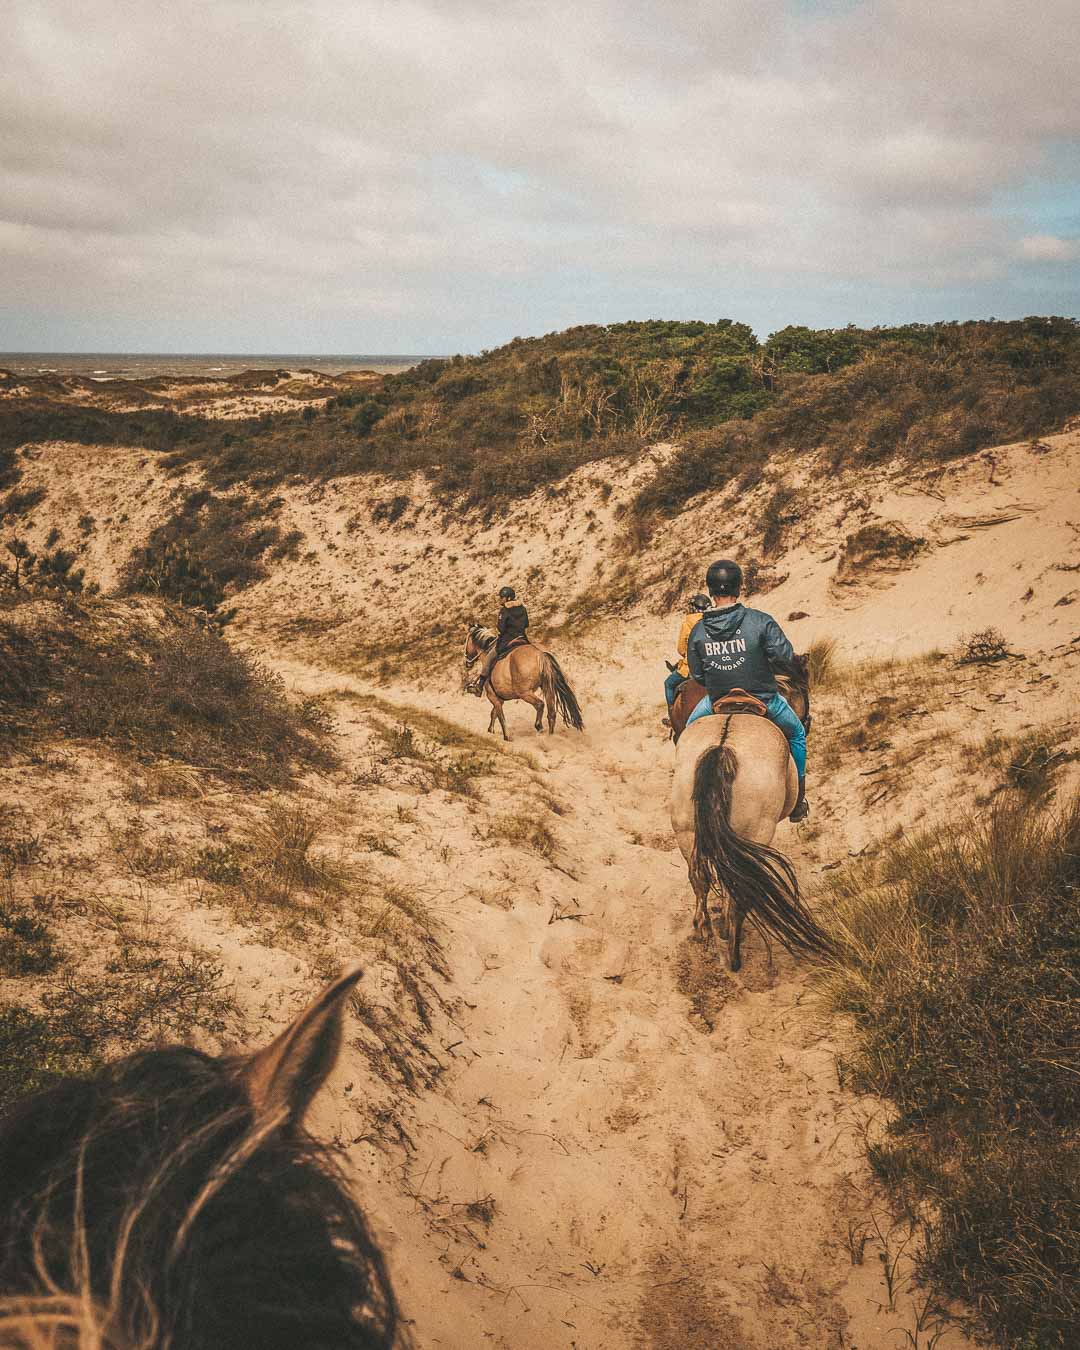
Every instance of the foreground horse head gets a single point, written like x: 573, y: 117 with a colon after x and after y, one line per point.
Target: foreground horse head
x: 734, y: 782
x: 174, y: 1201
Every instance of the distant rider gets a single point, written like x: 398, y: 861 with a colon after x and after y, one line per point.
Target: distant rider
x: 511, y: 626
x: 697, y: 607
x: 736, y: 648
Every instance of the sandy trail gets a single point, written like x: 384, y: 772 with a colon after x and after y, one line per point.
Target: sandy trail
x: 632, y: 1148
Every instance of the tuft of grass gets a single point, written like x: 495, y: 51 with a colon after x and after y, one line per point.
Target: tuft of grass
x: 282, y: 859
x: 959, y: 963
x: 275, y: 860
x: 821, y: 662
x: 144, y: 995
x: 523, y: 831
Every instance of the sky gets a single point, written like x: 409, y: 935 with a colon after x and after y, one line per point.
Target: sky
x: 431, y: 176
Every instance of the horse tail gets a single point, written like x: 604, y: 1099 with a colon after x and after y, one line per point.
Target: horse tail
x: 557, y: 689
x: 759, y: 879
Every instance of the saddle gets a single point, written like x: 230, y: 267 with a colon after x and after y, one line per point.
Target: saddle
x: 511, y: 645
x: 739, y: 701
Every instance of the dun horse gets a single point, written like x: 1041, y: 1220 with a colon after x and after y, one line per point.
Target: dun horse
x: 734, y: 782
x: 174, y: 1201
x: 525, y: 672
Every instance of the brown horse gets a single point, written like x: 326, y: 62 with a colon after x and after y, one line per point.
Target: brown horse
x: 734, y: 782
x: 525, y: 672
x: 174, y: 1201
x: 793, y: 682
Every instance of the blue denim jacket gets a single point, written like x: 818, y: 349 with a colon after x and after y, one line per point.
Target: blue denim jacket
x: 735, y: 648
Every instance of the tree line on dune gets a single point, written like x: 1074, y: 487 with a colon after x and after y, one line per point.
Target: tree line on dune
x: 500, y: 424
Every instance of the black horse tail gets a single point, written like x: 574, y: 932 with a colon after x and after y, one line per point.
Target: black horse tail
x: 759, y: 879
x: 558, y: 689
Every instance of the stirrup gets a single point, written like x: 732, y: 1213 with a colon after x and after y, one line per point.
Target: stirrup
x: 799, y: 811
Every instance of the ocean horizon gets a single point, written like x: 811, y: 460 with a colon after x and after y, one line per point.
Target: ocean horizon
x: 219, y: 365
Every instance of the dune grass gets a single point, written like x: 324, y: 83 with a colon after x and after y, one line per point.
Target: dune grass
x: 150, y: 681
x: 960, y: 968
x: 144, y: 995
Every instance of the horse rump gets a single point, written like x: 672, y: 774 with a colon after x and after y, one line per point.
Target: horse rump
x: 759, y: 879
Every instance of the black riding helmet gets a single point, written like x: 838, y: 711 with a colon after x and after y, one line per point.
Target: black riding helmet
x: 724, y: 578
x: 701, y: 603
x: 507, y: 593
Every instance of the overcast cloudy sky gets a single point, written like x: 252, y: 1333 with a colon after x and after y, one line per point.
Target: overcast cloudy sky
x: 442, y: 175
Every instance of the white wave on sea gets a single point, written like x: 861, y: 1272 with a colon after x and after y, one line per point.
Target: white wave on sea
x: 148, y: 365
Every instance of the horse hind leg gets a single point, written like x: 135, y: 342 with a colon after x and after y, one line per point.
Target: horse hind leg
x: 537, y: 704
x: 702, y: 919
x: 547, y: 688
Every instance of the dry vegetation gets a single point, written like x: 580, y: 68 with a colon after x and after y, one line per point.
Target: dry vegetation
x: 149, y: 680
x: 960, y: 967
x: 496, y: 426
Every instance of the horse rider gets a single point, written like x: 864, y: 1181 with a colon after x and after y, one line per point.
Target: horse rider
x: 733, y: 647
x: 511, y: 626
x: 681, y: 671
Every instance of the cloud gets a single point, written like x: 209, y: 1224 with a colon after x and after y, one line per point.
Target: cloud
x: 263, y: 172
x: 1049, y: 248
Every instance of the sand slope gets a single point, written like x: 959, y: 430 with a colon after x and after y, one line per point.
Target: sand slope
x: 624, y: 1145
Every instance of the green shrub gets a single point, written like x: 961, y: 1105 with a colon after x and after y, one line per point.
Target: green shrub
x: 511, y: 420
x: 210, y: 546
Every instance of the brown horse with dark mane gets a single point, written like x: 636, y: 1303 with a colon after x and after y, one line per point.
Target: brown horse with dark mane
x: 174, y: 1201
x: 525, y: 672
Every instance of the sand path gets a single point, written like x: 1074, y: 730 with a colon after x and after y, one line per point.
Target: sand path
x: 632, y: 1147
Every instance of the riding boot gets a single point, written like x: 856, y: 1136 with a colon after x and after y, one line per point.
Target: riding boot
x: 801, y: 809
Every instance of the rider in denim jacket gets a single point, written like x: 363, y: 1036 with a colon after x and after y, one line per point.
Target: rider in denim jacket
x: 734, y: 648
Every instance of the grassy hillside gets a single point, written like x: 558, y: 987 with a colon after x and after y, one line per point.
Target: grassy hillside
x: 960, y: 969
x: 498, y: 425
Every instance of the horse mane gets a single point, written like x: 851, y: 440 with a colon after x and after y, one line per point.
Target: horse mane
x: 795, y: 674
x: 482, y: 637
x: 145, y: 1208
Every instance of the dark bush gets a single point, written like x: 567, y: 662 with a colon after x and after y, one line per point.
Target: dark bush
x: 212, y: 546
x: 514, y: 419
x: 154, y: 683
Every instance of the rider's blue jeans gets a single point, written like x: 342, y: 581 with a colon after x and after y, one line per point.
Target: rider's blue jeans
x: 780, y: 711
x: 671, y: 685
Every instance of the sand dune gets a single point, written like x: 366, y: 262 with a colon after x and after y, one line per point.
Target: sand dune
x: 622, y: 1144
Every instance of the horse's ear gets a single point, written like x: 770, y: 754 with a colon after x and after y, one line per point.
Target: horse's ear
x: 283, y: 1077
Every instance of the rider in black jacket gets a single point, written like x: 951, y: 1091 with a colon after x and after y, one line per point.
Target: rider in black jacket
x: 734, y: 648
x: 511, y: 627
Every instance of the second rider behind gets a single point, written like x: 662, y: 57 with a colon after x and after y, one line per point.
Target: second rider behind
x: 736, y: 648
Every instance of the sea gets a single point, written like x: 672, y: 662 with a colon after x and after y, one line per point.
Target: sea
x: 147, y: 365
